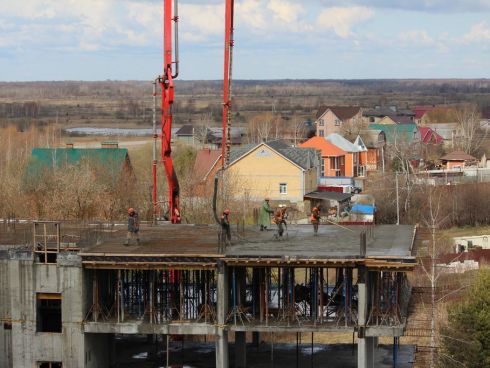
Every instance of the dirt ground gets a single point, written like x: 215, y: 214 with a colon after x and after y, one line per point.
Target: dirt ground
x: 135, y: 351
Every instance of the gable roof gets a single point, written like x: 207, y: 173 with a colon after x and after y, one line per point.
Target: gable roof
x: 381, y: 111
x: 360, y: 143
x: 428, y: 135
x: 370, y: 137
x: 48, y: 158
x: 206, y: 159
x: 333, y: 196
x: 342, y: 112
x: 458, y: 156
x: 327, y: 149
x: 343, y: 143
x: 187, y: 129
x: 420, y: 111
x: 305, y: 158
x: 405, y: 132
x: 400, y: 119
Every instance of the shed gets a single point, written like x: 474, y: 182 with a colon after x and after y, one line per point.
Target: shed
x: 330, y: 204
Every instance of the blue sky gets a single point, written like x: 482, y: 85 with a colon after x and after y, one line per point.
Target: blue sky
x: 324, y: 39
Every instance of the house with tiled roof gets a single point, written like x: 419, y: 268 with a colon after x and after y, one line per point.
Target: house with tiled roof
x: 356, y: 156
x: 333, y: 157
x: 275, y: 170
x: 398, y: 133
x: 337, y: 119
x: 375, y: 141
x: 206, y: 164
x: 429, y: 136
x: 396, y: 119
x: 379, y: 112
x: 109, y: 159
x: 458, y: 160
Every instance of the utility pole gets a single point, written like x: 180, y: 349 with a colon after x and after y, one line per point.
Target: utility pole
x: 397, y: 200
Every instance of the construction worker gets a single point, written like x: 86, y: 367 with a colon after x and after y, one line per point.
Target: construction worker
x: 225, y: 226
x: 315, y: 219
x: 280, y: 219
x: 133, y: 226
x: 264, y: 215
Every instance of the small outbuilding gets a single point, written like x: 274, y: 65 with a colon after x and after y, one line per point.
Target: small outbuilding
x: 458, y: 160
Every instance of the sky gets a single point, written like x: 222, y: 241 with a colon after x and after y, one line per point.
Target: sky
x: 274, y: 39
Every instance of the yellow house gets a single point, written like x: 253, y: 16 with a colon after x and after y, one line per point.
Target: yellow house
x: 275, y: 170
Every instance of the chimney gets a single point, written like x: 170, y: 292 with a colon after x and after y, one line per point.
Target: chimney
x: 69, y: 145
x: 110, y: 144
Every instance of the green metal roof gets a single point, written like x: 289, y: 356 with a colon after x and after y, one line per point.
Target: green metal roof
x: 51, y: 158
x: 405, y: 132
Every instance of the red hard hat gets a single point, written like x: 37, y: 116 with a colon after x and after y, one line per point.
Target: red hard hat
x: 131, y: 210
x: 226, y: 212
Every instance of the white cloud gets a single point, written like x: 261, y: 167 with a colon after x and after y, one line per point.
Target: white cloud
x: 285, y: 11
x: 342, y: 19
x: 478, y: 33
x: 251, y: 13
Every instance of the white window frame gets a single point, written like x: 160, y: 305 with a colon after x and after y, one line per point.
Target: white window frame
x: 321, y: 122
x: 321, y: 133
x: 283, y: 188
x: 337, y: 122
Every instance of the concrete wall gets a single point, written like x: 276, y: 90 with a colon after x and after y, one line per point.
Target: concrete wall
x: 5, y: 334
x: 22, y: 279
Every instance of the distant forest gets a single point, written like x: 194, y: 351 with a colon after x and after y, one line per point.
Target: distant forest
x: 130, y: 102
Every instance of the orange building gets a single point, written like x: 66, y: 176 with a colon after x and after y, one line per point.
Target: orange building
x: 333, y: 158
x: 457, y: 160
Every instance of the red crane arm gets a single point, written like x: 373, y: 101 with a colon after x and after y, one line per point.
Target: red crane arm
x: 167, y: 87
x: 228, y: 62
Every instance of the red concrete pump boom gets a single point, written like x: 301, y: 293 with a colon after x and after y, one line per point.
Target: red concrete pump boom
x: 229, y: 43
x: 170, y: 72
x: 166, y: 82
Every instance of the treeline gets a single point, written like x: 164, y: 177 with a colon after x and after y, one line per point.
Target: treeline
x: 419, y: 89
x: 458, y: 205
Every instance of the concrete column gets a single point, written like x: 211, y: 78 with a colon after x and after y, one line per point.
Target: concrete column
x: 256, y: 338
x: 371, y: 343
x: 362, y: 344
x: 240, y: 349
x: 222, y: 311
x: 366, y: 352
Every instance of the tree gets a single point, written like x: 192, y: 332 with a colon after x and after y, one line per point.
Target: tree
x: 466, y: 337
x: 468, y: 118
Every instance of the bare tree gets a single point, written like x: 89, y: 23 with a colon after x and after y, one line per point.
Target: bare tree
x: 468, y: 118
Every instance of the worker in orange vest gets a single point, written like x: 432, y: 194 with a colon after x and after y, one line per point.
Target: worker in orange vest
x: 280, y: 219
x: 315, y: 219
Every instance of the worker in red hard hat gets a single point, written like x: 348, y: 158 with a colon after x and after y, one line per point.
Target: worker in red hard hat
x: 133, y: 226
x: 265, y: 215
x: 225, y: 226
x: 315, y: 219
x: 279, y: 219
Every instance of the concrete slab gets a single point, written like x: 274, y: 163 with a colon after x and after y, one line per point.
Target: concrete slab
x: 387, y: 241
x: 331, y: 242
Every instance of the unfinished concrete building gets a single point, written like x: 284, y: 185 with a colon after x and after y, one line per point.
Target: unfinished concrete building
x: 67, y: 291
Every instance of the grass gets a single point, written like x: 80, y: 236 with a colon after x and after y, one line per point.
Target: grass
x: 467, y: 231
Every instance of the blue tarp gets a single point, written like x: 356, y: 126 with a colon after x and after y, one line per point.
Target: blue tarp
x: 366, y: 209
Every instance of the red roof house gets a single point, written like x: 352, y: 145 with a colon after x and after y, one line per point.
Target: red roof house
x: 429, y: 136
